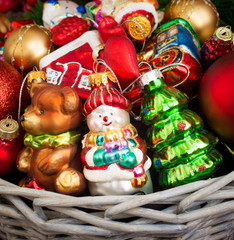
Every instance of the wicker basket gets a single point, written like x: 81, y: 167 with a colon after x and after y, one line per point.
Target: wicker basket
x: 199, y: 210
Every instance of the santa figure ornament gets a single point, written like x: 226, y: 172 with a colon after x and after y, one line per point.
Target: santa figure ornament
x: 114, y: 155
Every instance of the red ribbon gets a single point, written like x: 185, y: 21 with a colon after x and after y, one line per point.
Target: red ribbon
x: 17, y: 24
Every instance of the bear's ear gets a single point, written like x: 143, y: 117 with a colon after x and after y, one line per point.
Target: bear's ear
x: 71, y: 100
x: 35, y: 86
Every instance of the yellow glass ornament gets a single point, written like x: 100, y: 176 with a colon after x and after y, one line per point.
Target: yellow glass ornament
x: 139, y: 28
x: 201, y: 14
x: 26, y: 45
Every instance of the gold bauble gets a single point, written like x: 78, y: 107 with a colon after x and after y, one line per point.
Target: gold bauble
x: 26, y: 45
x: 201, y: 14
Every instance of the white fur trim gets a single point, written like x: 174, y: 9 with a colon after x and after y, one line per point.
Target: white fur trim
x: 89, y: 157
x: 139, y: 155
x: 148, y: 164
x: 83, y: 140
x: 91, y: 37
x: 113, y: 172
x: 119, y: 187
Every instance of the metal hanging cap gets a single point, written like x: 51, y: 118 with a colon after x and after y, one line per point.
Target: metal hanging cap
x: 96, y: 79
x: 224, y: 34
x: 36, y: 76
x: 149, y: 77
x: 9, y: 128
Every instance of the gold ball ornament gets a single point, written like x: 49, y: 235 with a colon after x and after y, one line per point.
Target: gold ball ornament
x: 202, y: 15
x: 26, y: 45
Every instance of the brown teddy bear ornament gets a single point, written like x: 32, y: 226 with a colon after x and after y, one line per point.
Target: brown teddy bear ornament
x: 51, y: 156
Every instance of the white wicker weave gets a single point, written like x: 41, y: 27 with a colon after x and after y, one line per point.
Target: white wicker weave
x: 199, y: 210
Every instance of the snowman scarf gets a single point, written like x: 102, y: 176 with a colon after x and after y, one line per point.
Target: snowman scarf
x: 114, y: 146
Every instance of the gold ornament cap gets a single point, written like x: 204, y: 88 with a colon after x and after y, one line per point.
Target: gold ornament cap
x: 96, y: 79
x: 9, y: 129
x: 36, y: 77
x: 139, y: 27
x: 224, y: 35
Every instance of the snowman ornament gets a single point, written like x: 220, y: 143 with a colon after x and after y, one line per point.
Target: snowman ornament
x: 113, y: 153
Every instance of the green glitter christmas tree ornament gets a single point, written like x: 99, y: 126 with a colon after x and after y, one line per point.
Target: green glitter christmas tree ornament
x: 183, y: 151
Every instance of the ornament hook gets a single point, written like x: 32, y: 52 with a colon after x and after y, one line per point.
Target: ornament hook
x: 143, y: 62
x: 99, y: 62
x: 35, y: 68
x: 92, y: 21
x: 141, y: 30
x: 177, y: 64
x: 20, y: 94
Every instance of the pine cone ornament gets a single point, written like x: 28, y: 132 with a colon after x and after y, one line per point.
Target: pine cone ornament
x: 69, y: 29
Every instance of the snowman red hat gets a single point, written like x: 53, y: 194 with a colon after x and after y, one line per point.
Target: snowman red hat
x: 104, y: 93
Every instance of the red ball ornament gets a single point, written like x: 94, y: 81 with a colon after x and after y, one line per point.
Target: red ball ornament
x: 216, y: 97
x: 10, y: 82
x: 7, y: 5
x: 10, y: 144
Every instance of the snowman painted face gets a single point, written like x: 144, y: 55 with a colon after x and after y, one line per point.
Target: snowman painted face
x: 106, y: 117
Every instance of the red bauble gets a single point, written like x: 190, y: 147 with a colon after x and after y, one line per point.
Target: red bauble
x: 216, y: 96
x: 8, y: 153
x: 10, y: 84
x: 7, y: 5
x: 10, y: 144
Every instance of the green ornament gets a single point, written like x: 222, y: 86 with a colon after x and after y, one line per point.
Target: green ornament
x: 183, y: 151
x: 90, y: 8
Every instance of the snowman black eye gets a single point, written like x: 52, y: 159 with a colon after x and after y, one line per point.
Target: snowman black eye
x: 100, y: 115
x: 111, y: 113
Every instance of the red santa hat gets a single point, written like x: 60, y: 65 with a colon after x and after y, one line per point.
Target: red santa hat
x: 104, y: 93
